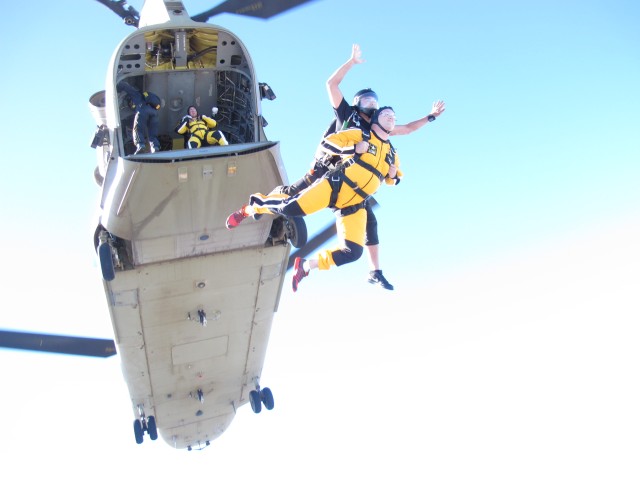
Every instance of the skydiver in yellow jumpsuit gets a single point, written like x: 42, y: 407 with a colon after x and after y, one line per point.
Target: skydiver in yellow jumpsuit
x: 201, y: 129
x: 373, y: 160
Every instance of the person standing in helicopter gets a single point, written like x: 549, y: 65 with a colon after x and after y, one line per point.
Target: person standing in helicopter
x: 146, y: 121
x: 201, y: 129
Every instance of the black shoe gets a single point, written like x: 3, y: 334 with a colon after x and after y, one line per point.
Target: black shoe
x: 141, y: 149
x: 376, y: 278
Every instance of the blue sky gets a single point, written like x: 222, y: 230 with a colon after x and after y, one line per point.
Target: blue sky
x: 509, y: 347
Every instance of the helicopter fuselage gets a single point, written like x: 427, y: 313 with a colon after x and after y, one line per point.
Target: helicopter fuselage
x: 191, y: 302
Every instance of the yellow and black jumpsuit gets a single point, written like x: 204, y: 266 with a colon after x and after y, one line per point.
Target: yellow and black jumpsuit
x: 344, y: 190
x: 201, y: 131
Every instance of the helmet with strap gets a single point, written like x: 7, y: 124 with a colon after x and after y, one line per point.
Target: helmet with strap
x: 374, y: 119
x: 364, y: 93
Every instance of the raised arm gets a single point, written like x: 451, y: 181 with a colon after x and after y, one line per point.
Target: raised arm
x: 333, y: 83
x: 211, y: 123
x: 436, y: 110
x: 136, y: 96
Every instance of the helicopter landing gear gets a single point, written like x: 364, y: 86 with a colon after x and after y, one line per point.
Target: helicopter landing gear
x: 267, y: 398
x: 288, y: 229
x: 106, y: 262
x: 254, y: 400
x: 144, y: 424
x: 108, y: 254
x: 296, y: 231
x: 152, y: 429
x: 259, y: 397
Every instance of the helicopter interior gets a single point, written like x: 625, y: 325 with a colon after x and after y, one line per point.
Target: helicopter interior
x: 201, y: 67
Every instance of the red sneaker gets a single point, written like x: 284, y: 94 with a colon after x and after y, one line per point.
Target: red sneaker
x: 299, y: 272
x: 235, y: 218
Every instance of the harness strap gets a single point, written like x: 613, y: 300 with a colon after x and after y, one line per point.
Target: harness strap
x: 354, y: 186
x: 328, y: 160
x: 368, y: 167
x: 197, y: 128
x: 335, y: 177
x: 343, y: 212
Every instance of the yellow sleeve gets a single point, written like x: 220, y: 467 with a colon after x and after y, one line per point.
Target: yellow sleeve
x: 182, y: 128
x: 211, y: 123
x: 342, y: 142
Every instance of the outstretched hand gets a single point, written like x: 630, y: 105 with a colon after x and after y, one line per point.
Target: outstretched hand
x: 437, y: 108
x: 356, y: 54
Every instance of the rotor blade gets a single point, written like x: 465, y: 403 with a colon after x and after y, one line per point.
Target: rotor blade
x: 320, y: 238
x: 252, y: 8
x: 129, y: 14
x: 40, y: 342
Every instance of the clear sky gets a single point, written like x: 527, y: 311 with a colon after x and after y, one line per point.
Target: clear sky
x: 509, y: 349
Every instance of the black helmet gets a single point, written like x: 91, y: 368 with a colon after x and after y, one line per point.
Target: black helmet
x: 365, y: 92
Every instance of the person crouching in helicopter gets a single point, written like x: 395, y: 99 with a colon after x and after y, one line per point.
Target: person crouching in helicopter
x: 201, y: 129
x: 146, y: 121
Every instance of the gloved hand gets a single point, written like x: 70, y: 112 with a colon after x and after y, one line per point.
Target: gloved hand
x: 214, y: 110
x: 186, y: 118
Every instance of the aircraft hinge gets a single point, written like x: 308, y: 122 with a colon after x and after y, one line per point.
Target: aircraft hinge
x: 201, y: 316
x: 199, y: 394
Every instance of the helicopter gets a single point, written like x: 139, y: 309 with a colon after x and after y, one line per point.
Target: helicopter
x: 191, y: 302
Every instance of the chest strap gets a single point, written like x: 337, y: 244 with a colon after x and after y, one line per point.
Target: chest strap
x: 355, y: 187
x: 368, y: 167
x: 197, y: 128
x: 336, y: 179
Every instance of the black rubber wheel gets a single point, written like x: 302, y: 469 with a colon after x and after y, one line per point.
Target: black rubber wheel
x: 267, y: 398
x: 151, y: 428
x: 296, y: 231
x: 137, y: 430
x: 106, y: 262
x: 255, y: 401
x: 96, y: 175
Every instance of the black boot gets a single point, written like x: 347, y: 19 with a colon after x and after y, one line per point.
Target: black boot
x: 376, y: 278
